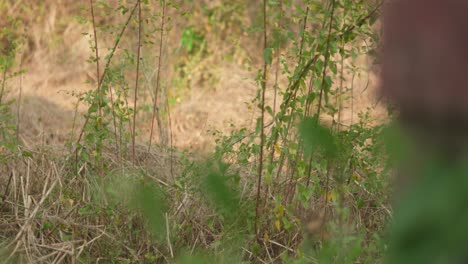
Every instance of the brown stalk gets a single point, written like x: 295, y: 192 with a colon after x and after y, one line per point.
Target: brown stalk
x: 262, y: 120
x: 18, y: 110
x: 5, y: 193
x: 275, y: 86
x: 278, y: 51
x: 3, y: 84
x: 155, y: 101
x: 340, y: 92
x: 308, y: 102
x: 118, y: 144
x: 99, y: 89
x: 136, y: 82
x: 324, y: 74
x: 170, y: 137
x: 304, y: 27
x: 96, y: 49
x: 327, y: 58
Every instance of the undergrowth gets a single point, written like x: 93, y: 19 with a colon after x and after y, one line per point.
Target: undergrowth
x: 292, y: 190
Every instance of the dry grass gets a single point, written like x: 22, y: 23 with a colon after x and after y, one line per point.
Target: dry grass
x: 44, y: 209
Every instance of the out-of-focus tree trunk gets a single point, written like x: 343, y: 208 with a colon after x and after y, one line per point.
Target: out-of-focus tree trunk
x: 424, y: 74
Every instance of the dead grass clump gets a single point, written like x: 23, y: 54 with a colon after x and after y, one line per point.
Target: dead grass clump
x: 52, y: 215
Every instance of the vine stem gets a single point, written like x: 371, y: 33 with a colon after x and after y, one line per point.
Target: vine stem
x: 262, y: 120
x: 135, y: 100
x: 158, y: 74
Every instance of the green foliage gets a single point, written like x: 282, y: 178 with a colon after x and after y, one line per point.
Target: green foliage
x: 432, y: 228
x: 321, y: 162
x: 207, y: 211
x: 9, y: 44
x: 318, y: 138
x: 191, y: 40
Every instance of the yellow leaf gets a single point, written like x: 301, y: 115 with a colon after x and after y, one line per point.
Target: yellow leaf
x: 277, y: 148
x: 268, y: 178
x: 278, y: 225
x: 280, y: 210
x: 357, y: 177
x: 332, y: 196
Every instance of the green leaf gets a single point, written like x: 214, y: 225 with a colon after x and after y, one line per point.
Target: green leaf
x: 269, y: 110
x: 328, y: 83
x: 317, y: 138
x: 268, y: 55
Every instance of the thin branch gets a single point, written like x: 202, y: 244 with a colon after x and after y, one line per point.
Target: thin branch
x: 96, y: 49
x: 6, y: 191
x: 3, y: 83
x: 155, y: 101
x: 304, y: 27
x: 262, y: 120
x: 278, y: 51
x: 327, y: 58
x: 18, y: 110
x: 171, y: 146
x: 99, y: 89
x: 136, y: 82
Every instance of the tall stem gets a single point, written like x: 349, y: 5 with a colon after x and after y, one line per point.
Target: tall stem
x: 135, y: 100
x: 156, y: 93
x: 262, y: 120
